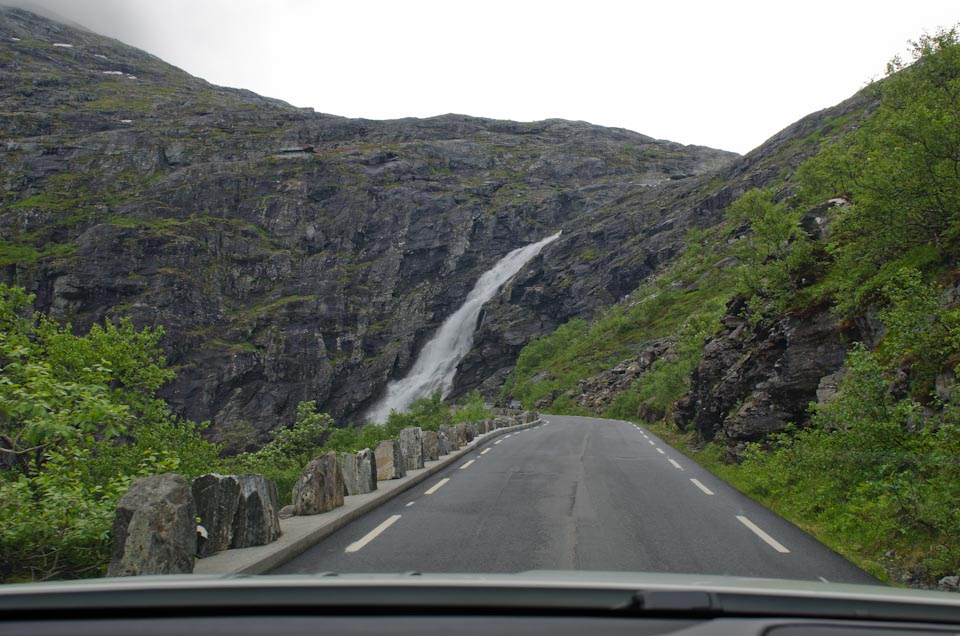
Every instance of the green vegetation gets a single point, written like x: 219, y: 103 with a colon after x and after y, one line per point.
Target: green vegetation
x: 776, y: 257
x: 669, y: 380
x: 79, y: 421
x: 873, y: 473
x: 899, y: 170
x: 684, y: 304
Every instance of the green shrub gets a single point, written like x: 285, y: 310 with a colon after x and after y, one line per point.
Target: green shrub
x: 79, y: 420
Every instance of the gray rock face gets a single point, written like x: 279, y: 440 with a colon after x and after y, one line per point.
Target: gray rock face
x: 359, y: 472
x: 430, y: 446
x: 320, y: 487
x: 217, y: 498
x: 390, y: 462
x: 411, y: 447
x: 154, y: 529
x: 257, y: 521
x: 769, y: 374
x: 308, y: 221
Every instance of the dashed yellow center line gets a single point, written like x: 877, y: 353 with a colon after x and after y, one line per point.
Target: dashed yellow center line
x: 440, y: 484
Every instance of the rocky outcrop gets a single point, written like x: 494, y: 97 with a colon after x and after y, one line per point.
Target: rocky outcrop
x: 359, y: 472
x: 598, y: 392
x: 411, y: 447
x: 155, y: 528
x: 390, y: 461
x: 257, y: 521
x: 753, y: 380
x: 217, y: 498
x: 320, y: 487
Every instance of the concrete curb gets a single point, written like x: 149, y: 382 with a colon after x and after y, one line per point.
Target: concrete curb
x: 299, y: 534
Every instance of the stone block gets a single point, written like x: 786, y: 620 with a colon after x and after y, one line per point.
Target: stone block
x: 217, y: 498
x: 390, y: 464
x: 359, y: 472
x: 154, y: 528
x: 411, y: 447
x: 320, y: 487
x: 451, y: 434
x: 257, y: 521
x: 431, y: 446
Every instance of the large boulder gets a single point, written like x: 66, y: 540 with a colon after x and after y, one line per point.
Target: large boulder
x: 320, y: 487
x: 431, y: 446
x: 461, y: 434
x: 359, y: 472
x: 411, y: 447
x: 257, y: 521
x: 217, y: 498
x: 154, y: 528
x: 390, y: 464
x: 470, y: 431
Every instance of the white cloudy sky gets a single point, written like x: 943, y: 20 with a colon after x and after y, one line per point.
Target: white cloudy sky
x: 727, y: 74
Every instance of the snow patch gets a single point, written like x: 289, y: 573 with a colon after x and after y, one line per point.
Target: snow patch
x: 126, y: 121
x: 62, y: 45
x: 113, y: 72
x: 14, y: 39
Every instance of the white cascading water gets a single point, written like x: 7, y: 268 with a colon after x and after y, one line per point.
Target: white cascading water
x: 437, y: 363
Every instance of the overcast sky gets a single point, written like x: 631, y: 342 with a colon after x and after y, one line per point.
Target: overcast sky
x: 727, y: 74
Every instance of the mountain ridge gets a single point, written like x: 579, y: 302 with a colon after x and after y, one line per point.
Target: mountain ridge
x: 294, y: 255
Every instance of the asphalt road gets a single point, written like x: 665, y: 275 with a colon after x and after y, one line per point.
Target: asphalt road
x: 576, y: 493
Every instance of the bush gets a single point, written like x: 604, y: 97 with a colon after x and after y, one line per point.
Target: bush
x: 79, y: 421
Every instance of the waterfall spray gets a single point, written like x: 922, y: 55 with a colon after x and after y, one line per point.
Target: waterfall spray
x: 436, y: 365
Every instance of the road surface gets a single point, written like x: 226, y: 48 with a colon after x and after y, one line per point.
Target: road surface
x: 576, y: 493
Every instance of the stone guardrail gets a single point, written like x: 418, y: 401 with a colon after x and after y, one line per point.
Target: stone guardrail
x: 246, y: 534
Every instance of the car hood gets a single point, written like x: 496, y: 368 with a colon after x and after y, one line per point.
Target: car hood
x: 542, y: 588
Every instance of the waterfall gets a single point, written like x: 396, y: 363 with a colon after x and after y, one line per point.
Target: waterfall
x: 437, y: 363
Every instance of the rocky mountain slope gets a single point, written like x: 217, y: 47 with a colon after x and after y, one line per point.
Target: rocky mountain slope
x: 292, y: 255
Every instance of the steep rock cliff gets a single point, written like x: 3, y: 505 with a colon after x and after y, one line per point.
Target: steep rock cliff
x: 292, y: 255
